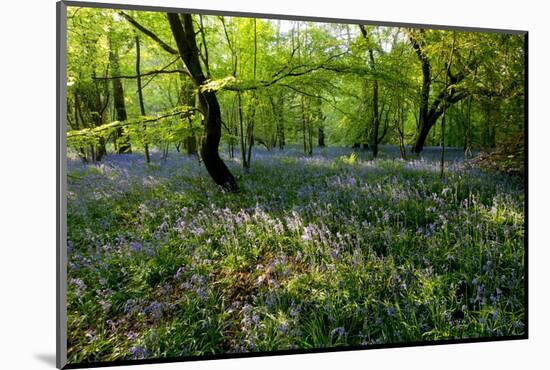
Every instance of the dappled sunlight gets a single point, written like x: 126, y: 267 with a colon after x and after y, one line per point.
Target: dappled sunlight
x: 241, y: 185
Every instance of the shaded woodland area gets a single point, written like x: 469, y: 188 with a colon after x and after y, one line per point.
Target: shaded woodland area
x: 153, y: 81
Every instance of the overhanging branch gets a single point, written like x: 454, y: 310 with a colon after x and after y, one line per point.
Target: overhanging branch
x: 153, y: 72
x: 87, y: 132
x: 149, y: 33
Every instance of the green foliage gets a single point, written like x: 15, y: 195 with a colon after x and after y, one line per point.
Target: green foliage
x: 325, y: 65
x: 168, y: 127
x: 324, y: 251
x: 351, y: 159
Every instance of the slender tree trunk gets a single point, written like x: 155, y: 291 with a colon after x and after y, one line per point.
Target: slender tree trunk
x: 282, y: 140
x: 375, y: 118
x: 79, y: 122
x: 277, y: 106
x: 250, y: 138
x: 234, y: 63
x: 98, y: 105
x: 241, y: 131
x: 187, y: 97
x: 304, y: 125
x: 89, y: 152
x: 310, y: 139
x: 250, y: 125
x: 445, y: 107
x: 100, y: 150
x: 443, y: 143
x: 184, y: 34
x: 401, y: 126
x: 321, y: 138
x: 250, y: 134
x: 140, y: 96
x: 118, y: 99
x: 375, y: 111
x: 468, y: 138
x: 320, y: 119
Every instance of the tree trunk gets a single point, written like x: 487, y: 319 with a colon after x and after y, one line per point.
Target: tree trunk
x: 424, y: 123
x: 310, y: 139
x: 183, y: 32
x: 187, y: 97
x: 282, y: 141
x: 375, y: 111
x: 401, y: 127
x: 241, y: 131
x: 118, y: 99
x: 96, y: 107
x: 101, y: 150
x: 277, y: 106
x: 468, y: 136
x: 250, y: 125
x: 321, y: 138
x: 140, y: 96
x: 78, y: 118
x: 442, y: 164
x: 250, y: 135
x: 421, y: 136
x: 191, y: 142
x: 375, y: 118
x: 304, y: 125
x: 429, y: 113
x: 443, y: 119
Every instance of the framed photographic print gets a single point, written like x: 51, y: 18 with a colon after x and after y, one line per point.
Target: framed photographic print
x: 235, y: 184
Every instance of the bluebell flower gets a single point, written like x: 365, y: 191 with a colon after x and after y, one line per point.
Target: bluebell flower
x: 138, y: 352
x: 135, y: 247
x: 338, y: 332
x: 294, y: 309
x: 131, y: 335
x: 283, y: 328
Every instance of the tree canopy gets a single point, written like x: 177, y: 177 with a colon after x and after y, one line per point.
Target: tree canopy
x: 149, y: 79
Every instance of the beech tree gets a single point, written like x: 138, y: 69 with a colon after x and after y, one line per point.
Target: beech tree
x: 184, y: 34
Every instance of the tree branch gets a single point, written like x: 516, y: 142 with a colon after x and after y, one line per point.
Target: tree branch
x: 145, y: 74
x: 294, y: 71
x: 149, y: 33
x: 205, y: 56
x: 114, y: 125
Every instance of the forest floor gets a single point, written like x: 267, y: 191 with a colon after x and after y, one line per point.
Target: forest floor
x: 313, y: 252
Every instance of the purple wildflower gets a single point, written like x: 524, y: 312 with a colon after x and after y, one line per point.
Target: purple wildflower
x: 138, y: 352
x: 135, y: 247
x: 131, y: 336
x: 294, y: 309
x: 339, y: 332
x: 155, y: 310
x: 79, y: 285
